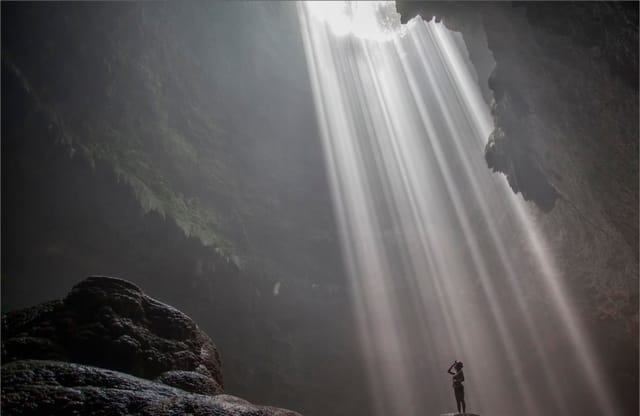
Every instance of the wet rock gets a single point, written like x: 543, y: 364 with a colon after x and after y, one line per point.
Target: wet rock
x: 191, y: 381
x: 71, y: 356
x: 33, y: 387
x: 111, y: 323
x: 459, y: 414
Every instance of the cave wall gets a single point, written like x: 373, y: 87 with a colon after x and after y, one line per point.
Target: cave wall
x: 64, y: 219
x: 187, y: 107
x: 145, y: 141
x: 564, y: 91
x: 564, y: 101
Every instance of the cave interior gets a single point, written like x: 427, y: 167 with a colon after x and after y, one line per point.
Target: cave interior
x: 336, y: 201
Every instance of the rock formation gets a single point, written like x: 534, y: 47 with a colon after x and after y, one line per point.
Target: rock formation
x: 564, y: 97
x: 109, y: 348
x: 564, y: 90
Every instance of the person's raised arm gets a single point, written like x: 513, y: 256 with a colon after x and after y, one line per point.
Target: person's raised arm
x: 450, y: 368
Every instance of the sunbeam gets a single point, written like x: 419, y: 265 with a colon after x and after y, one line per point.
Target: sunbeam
x: 334, y: 207
x: 440, y: 252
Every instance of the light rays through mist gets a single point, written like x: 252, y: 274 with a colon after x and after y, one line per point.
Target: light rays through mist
x: 443, y: 259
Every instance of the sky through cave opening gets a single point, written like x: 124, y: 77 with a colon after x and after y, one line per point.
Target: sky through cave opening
x: 445, y: 262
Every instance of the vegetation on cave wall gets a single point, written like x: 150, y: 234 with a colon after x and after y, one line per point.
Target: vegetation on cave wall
x: 108, y: 101
x: 183, y: 103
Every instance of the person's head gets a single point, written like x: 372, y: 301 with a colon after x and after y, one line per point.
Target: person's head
x: 459, y: 365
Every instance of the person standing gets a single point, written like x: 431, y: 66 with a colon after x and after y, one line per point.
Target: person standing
x: 458, y: 387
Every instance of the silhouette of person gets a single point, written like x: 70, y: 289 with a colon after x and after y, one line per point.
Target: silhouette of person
x: 458, y: 388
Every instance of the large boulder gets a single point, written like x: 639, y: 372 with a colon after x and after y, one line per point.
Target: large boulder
x: 71, y: 356
x: 32, y: 387
x: 110, y: 323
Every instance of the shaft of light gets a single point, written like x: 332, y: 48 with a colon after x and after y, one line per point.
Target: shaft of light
x: 552, y: 279
x: 433, y: 273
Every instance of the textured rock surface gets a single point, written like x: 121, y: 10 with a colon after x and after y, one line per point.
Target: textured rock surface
x: 33, y: 387
x: 191, y: 381
x: 110, y: 324
x: 565, y: 91
x: 459, y: 414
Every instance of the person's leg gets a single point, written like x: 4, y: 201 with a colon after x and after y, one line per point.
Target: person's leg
x: 464, y: 406
x: 459, y: 393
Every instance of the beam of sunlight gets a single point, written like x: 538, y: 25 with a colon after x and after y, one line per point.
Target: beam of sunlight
x: 553, y: 282
x: 442, y: 257
x: 480, y: 120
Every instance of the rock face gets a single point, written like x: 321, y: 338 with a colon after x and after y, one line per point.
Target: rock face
x: 564, y: 99
x: 33, y: 387
x: 565, y: 93
x: 71, y: 357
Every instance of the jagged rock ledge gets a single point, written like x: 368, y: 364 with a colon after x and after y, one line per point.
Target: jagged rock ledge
x: 564, y: 99
x: 109, y: 348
